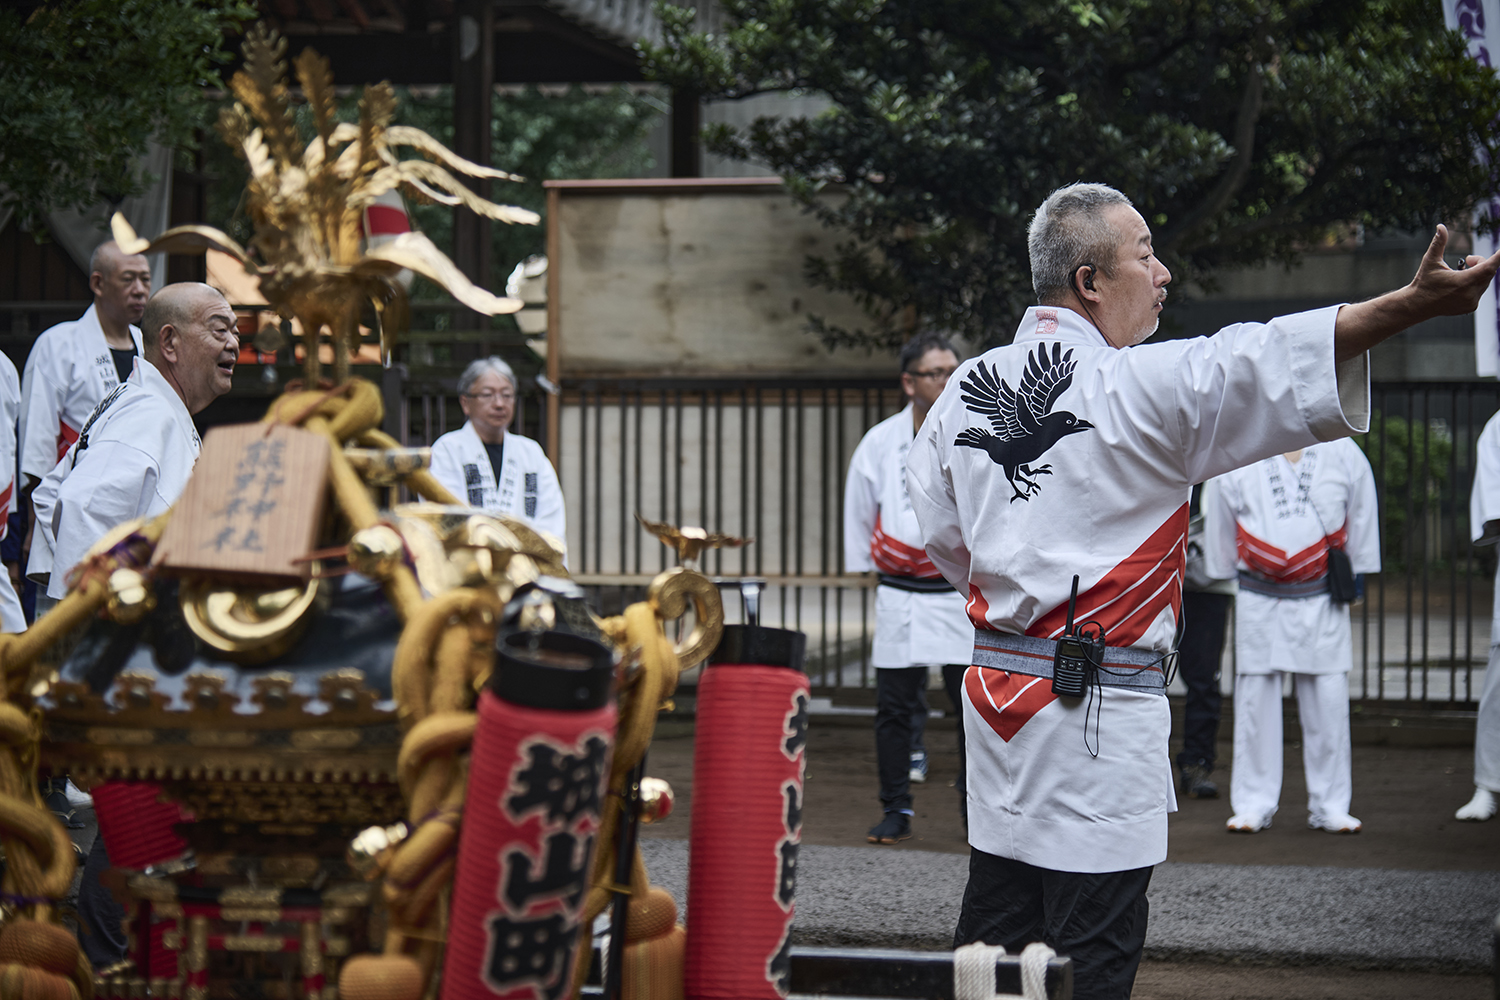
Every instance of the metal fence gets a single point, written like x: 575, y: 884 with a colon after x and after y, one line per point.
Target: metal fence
x: 766, y: 460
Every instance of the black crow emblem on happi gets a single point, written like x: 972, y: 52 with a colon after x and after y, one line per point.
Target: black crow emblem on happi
x: 1025, y: 425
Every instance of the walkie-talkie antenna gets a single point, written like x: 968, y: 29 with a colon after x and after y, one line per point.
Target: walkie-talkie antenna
x: 1072, y: 600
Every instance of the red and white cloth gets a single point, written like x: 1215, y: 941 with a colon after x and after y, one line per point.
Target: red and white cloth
x: 68, y: 371
x: 1276, y: 519
x: 881, y: 533
x: 1110, y: 504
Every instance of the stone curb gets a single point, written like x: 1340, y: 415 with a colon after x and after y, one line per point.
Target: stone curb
x: 1360, y: 918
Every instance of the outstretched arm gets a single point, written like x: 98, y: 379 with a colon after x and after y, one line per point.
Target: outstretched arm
x: 1436, y: 290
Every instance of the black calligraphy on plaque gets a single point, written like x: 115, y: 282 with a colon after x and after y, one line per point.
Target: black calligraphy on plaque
x: 244, y: 521
x: 789, y: 845
x: 534, y: 935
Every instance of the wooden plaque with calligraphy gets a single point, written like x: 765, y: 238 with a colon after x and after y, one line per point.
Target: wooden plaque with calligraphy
x: 254, y: 505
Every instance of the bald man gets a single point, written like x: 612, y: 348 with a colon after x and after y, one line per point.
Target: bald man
x: 72, y: 365
x: 135, y: 452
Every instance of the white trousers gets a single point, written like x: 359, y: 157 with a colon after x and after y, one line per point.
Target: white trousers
x: 1323, y: 708
x: 1487, y: 730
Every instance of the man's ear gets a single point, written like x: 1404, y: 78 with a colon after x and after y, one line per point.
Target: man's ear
x: 96, y: 283
x: 166, y: 342
x: 1083, y: 283
x: 908, y: 385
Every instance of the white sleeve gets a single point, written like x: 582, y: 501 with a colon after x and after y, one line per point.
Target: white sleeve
x: 1260, y: 389
x: 41, y: 412
x: 112, y: 483
x: 1219, y: 503
x: 930, y: 484
x: 861, y: 504
x: 10, y: 407
x: 551, y: 513
x: 1364, y: 512
x: 447, y: 470
x: 1484, y: 498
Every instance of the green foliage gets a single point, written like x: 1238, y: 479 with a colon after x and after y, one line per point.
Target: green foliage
x: 85, y: 84
x: 1412, y: 462
x: 540, y: 135
x: 1243, y: 130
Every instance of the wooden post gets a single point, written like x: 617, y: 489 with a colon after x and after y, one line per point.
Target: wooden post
x: 686, y: 123
x: 554, y: 329
x: 473, y: 93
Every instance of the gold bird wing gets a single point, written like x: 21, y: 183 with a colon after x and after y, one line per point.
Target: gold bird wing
x: 179, y: 239
x: 416, y: 252
x: 719, y: 540
x: 667, y: 533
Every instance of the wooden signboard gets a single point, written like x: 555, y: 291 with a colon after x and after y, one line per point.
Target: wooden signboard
x: 253, y: 506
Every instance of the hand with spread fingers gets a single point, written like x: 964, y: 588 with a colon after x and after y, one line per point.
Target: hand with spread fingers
x: 1436, y: 290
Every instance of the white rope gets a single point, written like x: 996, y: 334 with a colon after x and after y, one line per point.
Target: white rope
x: 974, y: 972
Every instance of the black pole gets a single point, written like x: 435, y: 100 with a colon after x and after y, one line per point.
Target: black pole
x: 625, y: 840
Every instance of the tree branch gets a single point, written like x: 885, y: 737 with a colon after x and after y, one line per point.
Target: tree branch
x: 1239, y: 168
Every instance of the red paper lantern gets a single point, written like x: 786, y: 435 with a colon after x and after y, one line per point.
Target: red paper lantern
x: 748, y: 758
x: 537, y: 776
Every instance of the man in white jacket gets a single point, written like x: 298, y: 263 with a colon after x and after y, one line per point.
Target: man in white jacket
x: 1275, y: 523
x: 919, y: 617
x: 487, y: 466
x: 136, y: 451
x: 73, y: 365
x: 1484, y: 525
x: 1072, y: 453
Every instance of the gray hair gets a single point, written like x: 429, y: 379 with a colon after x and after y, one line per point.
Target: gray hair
x: 484, y: 366
x: 1069, y: 231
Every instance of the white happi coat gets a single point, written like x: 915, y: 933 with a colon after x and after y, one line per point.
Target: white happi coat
x: 1274, y: 521
x: 881, y: 533
x: 1484, y: 526
x: 528, y: 487
x: 140, y: 452
x: 68, y: 371
x: 12, y: 619
x: 1110, y: 504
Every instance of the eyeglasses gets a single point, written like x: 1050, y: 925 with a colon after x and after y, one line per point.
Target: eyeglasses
x: 937, y: 373
x: 490, y: 395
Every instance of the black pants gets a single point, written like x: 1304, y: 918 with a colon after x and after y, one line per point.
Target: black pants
x: 1204, y: 617
x: 1097, y: 920
x: 101, y: 919
x: 898, y: 692
x: 953, y: 684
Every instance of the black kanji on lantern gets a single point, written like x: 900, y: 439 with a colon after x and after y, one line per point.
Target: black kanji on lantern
x: 794, y: 727
x: 565, y: 784
x: 779, y: 965
x: 788, y: 847
x: 532, y: 952
x: 561, y: 876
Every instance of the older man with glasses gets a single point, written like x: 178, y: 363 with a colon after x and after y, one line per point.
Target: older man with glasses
x: 919, y: 617
x: 491, y: 468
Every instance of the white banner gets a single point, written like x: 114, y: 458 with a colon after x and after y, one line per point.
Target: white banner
x: 1479, y: 21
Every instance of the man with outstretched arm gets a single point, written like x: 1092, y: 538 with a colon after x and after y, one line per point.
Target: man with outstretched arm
x: 1072, y: 452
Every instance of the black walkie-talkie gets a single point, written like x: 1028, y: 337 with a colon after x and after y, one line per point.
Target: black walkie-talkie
x: 1073, y: 665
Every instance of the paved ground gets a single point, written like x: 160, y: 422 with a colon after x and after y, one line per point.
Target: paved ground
x: 1403, y: 909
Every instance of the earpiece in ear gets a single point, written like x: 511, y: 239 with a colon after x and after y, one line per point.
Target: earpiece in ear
x: 1089, y: 281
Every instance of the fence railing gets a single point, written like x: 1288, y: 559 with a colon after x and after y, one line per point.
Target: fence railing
x: 766, y: 459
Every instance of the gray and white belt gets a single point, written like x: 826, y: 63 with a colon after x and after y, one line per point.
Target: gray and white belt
x: 1271, y: 588
x: 1137, y: 669
x: 916, y: 584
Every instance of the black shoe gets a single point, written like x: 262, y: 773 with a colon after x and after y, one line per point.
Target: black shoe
x: 895, y: 827
x: 1195, y: 784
